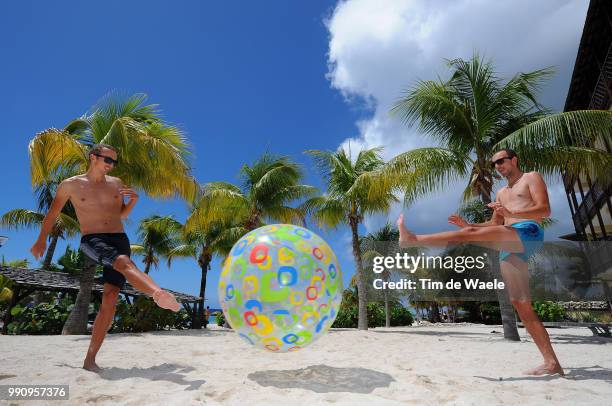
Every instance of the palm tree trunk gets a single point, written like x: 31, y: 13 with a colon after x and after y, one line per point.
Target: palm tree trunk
x: 362, y: 323
x: 505, y: 306
x: 49, y: 256
x: 204, y: 262
x: 386, y: 300
x: 387, y: 309
x: 434, y: 316
x: 77, y: 320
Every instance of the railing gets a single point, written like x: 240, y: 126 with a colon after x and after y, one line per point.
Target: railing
x: 601, y: 92
x: 593, y: 201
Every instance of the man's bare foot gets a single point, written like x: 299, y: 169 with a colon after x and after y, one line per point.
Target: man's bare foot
x: 546, y: 369
x: 405, y: 234
x: 91, y: 366
x: 166, y: 300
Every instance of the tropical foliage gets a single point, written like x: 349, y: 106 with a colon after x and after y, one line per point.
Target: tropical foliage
x: 153, y: 155
x: 157, y: 236
x: 145, y: 315
x: 267, y: 188
x: 345, y: 202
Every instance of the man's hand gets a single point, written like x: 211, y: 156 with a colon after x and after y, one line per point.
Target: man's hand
x: 499, y: 209
x: 129, y: 193
x: 457, y: 220
x: 38, y: 249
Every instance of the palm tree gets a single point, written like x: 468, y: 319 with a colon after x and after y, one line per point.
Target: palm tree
x: 203, y: 244
x: 473, y: 115
x: 267, y: 188
x: 153, y: 157
x: 345, y: 202
x: 382, y: 243
x: 66, y: 224
x: 158, y: 236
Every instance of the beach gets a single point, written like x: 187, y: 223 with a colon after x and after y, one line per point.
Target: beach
x: 458, y: 364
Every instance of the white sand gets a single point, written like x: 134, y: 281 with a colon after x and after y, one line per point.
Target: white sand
x: 426, y: 365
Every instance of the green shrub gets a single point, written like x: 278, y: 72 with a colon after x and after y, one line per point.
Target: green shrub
x: 376, y: 315
x: 579, y: 316
x: 145, y: 315
x: 220, y: 317
x: 44, y: 318
x: 490, y: 313
x: 604, y: 317
x: 549, y: 311
x: 348, y: 317
x: 401, y: 316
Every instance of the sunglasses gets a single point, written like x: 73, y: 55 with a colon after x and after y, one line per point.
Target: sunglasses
x: 108, y: 160
x: 500, y: 160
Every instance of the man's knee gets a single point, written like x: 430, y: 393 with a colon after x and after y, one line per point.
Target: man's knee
x: 110, y: 295
x: 123, y: 263
x: 524, y: 309
x: 520, y: 302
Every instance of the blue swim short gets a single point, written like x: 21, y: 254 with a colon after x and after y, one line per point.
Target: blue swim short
x: 532, y: 237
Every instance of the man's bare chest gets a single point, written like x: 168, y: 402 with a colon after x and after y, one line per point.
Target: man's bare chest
x: 87, y: 196
x: 515, y: 194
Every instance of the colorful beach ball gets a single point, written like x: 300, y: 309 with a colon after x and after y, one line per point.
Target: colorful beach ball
x: 281, y: 287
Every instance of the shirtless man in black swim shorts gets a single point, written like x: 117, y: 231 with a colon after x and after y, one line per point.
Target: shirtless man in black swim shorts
x: 99, y: 203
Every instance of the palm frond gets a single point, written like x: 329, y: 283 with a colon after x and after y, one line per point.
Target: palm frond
x: 21, y: 218
x: 286, y: 215
x: 326, y: 211
x: 53, y: 151
x: 137, y: 249
x: 68, y: 225
x: 421, y: 171
x: 573, y: 142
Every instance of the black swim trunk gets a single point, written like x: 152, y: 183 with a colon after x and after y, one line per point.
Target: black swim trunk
x: 104, y: 248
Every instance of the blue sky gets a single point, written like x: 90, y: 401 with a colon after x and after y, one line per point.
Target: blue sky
x: 242, y: 78
x: 237, y: 78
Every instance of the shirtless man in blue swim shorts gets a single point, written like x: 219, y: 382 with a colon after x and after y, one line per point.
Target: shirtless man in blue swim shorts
x: 98, y: 200
x: 516, y: 231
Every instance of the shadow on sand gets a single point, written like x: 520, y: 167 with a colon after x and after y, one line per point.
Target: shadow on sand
x: 324, y: 379
x: 163, y: 372
x: 182, y: 333
x: 577, y: 374
x: 497, y: 331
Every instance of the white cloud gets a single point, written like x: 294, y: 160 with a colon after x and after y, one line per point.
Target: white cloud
x: 379, y: 48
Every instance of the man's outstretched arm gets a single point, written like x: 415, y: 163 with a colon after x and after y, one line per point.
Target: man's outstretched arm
x: 61, y: 197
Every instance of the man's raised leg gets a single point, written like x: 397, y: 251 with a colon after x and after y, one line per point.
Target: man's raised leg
x: 143, y: 282
x: 495, y: 237
x: 101, y: 325
x: 516, y: 277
